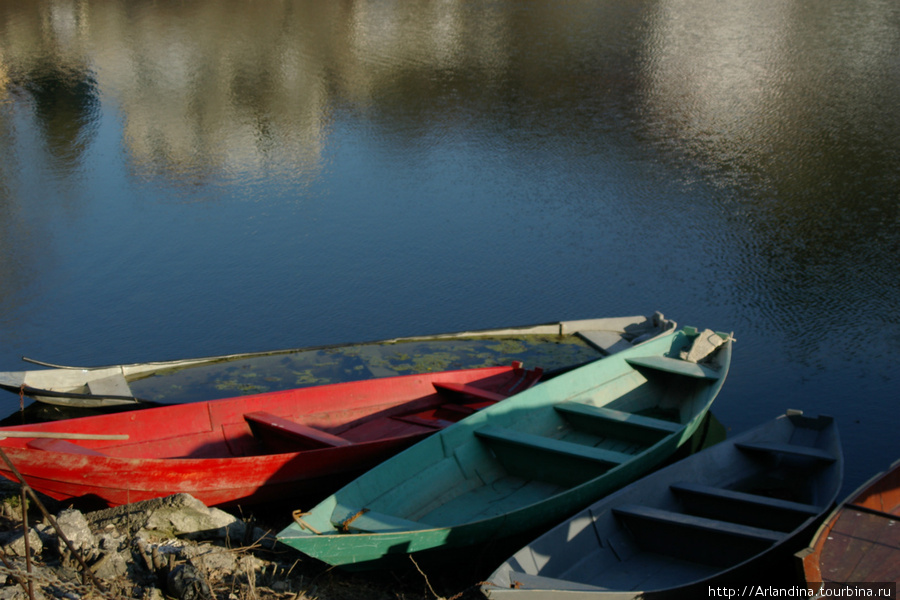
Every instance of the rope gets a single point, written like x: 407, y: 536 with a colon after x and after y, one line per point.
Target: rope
x: 345, y: 524
x: 299, y: 513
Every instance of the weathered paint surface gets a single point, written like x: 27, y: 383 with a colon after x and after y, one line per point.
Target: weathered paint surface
x: 208, y: 449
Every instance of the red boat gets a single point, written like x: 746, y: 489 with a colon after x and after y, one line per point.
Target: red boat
x: 251, y: 448
x: 860, y: 541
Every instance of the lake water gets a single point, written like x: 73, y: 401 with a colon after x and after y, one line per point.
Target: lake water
x: 182, y: 179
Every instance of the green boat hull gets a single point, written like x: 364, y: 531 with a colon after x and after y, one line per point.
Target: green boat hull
x: 518, y: 465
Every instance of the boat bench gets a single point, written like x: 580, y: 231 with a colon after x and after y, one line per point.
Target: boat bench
x: 525, y: 379
x: 264, y: 425
x: 469, y: 390
x: 112, y: 385
x: 675, y: 366
x: 742, y: 507
x: 607, y: 342
x: 745, y: 498
x: 816, y: 454
x: 433, y: 423
x: 616, y: 423
x: 459, y: 409
x: 551, y: 445
x: 370, y: 521
x: 665, y: 518
x: 58, y: 445
x: 700, y: 540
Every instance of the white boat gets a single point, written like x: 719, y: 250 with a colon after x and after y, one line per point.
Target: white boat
x: 552, y: 346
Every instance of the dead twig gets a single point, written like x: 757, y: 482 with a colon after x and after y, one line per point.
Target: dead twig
x: 425, y: 577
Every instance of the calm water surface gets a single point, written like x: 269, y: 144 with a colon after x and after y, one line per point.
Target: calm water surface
x: 191, y: 178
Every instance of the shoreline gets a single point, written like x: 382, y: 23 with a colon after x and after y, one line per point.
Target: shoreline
x: 176, y: 547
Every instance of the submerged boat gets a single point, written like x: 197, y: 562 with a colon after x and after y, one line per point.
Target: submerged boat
x: 526, y: 462
x: 687, y: 524
x: 552, y: 345
x: 859, y: 542
x: 251, y: 448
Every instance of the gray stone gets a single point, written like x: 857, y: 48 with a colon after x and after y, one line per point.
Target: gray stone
x: 75, y: 527
x: 14, y: 543
x: 213, y: 559
x: 169, y: 517
x: 187, y: 582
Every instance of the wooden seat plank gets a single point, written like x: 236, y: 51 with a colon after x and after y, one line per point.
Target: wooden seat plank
x: 608, y: 342
x: 790, y: 449
x: 552, y: 445
x: 459, y: 409
x: 425, y: 421
x: 745, y: 498
x: 676, y: 519
x: 617, y: 424
x: 112, y: 385
x: 675, y: 366
x: 469, y: 390
x: 618, y: 416
x: 263, y: 423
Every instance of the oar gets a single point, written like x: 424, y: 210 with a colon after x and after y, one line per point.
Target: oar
x: 59, y: 435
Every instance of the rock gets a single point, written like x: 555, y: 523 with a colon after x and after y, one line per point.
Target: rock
x: 186, y: 582
x: 212, y: 559
x: 171, y: 516
x: 77, y: 530
x: 16, y: 592
x: 174, y: 544
x: 111, y: 564
x: 13, y: 543
x: 153, y: 594
x: 47, y: 533
x: 186, y: 514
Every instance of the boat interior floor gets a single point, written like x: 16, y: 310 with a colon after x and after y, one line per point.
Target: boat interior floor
x: 280, y: 434
x: 644, y: 572
x: 501, y: 496
x: 864, y: 546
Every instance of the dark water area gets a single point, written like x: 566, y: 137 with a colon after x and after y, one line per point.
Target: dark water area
x: 190, y: 179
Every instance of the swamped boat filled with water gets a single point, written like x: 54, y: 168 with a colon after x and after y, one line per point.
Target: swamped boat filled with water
x: 554, y: 346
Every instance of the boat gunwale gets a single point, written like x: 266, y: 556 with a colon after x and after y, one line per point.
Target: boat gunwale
x: 536, y: 329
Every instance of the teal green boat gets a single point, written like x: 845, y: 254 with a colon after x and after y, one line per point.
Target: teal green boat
x: 526, y: 462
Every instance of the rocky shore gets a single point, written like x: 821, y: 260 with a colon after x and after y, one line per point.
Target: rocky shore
x: 176, y: 547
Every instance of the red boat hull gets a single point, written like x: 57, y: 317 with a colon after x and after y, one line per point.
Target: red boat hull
x: 210, y: 450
